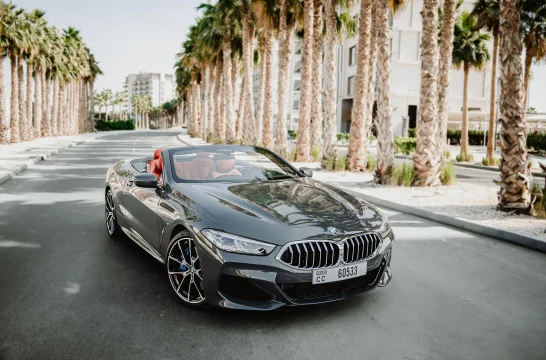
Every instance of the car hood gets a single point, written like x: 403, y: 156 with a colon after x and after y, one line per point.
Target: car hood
x: 282, y: 211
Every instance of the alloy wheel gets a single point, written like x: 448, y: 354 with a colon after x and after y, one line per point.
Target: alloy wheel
x: 110, y: 213
x: 184, y: 269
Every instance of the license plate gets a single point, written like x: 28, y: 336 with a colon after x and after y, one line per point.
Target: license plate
x: 339, y: 273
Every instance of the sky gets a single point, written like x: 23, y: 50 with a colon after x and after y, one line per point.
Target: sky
x: 129, y: 36
x: 126, y: 36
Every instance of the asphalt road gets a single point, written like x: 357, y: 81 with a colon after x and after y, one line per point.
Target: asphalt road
x: 67, y: 291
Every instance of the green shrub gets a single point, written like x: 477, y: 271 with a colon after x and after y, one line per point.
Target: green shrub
x: 462, y: 157
x: 370, y: 164
x: 485, y: 161
x: 447, y: 155
x: 447, y: 177
x: 316, y: 153
x: 292, y: 134
x: 342, y: 137
x: 404, y: 145
x: 102, y: 125
x: 372, y: 138
x: 412, y: 133
x: 292, y: 155
x: 341, y: 163
x: 403, y: 175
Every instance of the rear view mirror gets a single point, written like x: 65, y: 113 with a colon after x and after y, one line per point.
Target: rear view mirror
x: 146, y: 180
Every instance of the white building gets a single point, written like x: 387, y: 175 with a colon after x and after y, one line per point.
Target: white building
x: 160, y: 88
x: 405, y: 80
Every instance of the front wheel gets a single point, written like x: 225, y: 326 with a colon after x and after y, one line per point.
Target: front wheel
x: 184, y: 270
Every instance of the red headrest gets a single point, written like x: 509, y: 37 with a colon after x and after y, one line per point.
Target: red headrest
x: 157, y: 153
x: 225, y: 166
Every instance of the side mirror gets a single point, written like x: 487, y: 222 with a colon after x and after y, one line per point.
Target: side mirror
x: 146, y: 180
x: 306, y: 171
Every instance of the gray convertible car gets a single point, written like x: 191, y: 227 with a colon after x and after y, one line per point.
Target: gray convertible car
x: 239, y: 227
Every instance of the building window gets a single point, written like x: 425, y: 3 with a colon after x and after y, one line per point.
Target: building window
x: 352, y: 56
x: 351, y: 86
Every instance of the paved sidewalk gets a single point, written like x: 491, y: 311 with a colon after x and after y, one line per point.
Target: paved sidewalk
x: 15, y: 158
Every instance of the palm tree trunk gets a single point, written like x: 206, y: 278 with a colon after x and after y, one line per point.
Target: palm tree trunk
x: 356, y: 155
x: 81, y: 107
x: 304, y: 143
x: 217, y: 99
x: 14, y: 107
x: 222, y: 114
x: 330, y: 153
x: 91, y: 105
x: 285, y: 47
x: 446, y: 49
x: 210, y: 103
x: 203, y: 96
x: 29, y: 98
x: 235, y: 71
x: 527, y: 77
x: 62, y: 107
x: 241, y: 111
x: 515, y: 175
x: 37, y: 102
x: 228, y: 94
x: 198, y: 108
x: 427, y: 161
x: 4, y: 129
x: 55, y: 120
x: 249, y: 128
x: 46, y: 124
x: 464, y: 121
x: 261, y: 89
x: 316, y: 102
x: 372, y: 60
x: 25, y: 127
x: 267, y: 135
x: 385, y: 143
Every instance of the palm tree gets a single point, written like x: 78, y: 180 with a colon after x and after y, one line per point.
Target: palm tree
x: 488, y: 14
x: 469, y: 52
x: 356, y: 155
x: 316, y: 96
x: 107, y: 96
x: 427, y: 161
x: 15, y: 41
x: 515, y: 178
x: 266, y: 14
x: 5, y: 14
x: 447, y: 21
x: 533, y: 20
x: 290, y: 12
x: 330, y: 151
x: 385, y: 141
x: 304, y: 143
x: 119, y: 99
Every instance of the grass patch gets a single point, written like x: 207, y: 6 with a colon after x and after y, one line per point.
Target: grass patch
x: 447, y: 176
x: 493, y: 161
x: 341, y: 163
x: 462, y: 157
x: 403, y: 175
x: 370, y: 164
x: 316, y: 153
x: 292, y: 155
x: 447, y: 155
x: 404, y: 145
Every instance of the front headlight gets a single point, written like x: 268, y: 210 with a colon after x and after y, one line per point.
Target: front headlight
x: 237, y: 244
x: 385, y: 228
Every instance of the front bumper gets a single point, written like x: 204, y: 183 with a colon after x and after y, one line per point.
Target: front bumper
x: 263, y: 283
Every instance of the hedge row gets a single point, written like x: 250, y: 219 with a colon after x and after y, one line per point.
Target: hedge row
x: 102, y: 125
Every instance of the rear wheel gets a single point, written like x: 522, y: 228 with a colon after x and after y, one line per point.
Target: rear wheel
x: 110, y: 215
x: 184, y: 269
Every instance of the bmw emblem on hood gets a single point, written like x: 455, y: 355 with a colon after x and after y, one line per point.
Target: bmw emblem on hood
x: 332, y: 229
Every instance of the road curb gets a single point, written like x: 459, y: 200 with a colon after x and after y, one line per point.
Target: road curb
x: 46, y: 155
x: 472, y: 166
x: 502, y: 235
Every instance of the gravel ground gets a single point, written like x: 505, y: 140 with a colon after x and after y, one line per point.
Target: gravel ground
x: 472, y: 203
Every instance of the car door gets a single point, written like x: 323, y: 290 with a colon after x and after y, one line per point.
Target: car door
x: 142, y: 205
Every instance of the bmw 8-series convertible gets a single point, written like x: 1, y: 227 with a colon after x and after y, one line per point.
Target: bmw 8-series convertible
x: 239, y: 227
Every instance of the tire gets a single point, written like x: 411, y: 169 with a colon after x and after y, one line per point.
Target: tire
x: 112, y: 226
x: 184, y: 270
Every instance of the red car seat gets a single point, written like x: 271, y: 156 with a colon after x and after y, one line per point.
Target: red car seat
x: 201, y: 167
x: 156, y: 165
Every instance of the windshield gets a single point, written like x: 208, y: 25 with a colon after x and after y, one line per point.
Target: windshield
x: 228, y: 163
